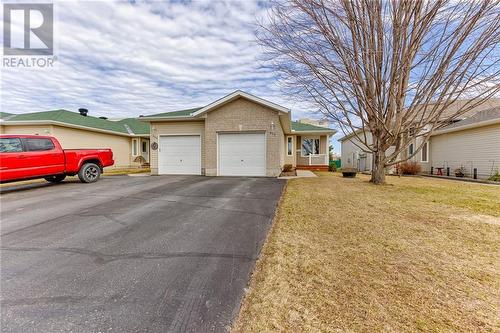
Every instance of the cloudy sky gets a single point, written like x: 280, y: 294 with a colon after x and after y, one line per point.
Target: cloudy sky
x: 124, y: 59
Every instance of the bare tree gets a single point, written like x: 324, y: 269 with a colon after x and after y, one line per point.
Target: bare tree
x: 389, y: 68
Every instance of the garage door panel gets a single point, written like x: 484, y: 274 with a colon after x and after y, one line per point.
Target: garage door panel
x: 242, y: 154
x: 180, y: 155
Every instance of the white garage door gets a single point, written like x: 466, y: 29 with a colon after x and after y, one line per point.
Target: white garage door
x: 179, y: 155
x: 242, y: 154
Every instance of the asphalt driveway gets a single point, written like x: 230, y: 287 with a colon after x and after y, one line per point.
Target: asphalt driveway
x: 131, y: 254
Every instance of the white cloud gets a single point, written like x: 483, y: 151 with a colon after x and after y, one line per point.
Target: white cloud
x: 119, y: 59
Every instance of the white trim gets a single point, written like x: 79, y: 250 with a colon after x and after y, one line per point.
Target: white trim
x: 170, y: 118
x: 241, y: 132
x: 236, y: 94
x: 327, y: 150
x: 310, y: 137
x: 217, y: 153
x: 444, y: 130
x: 318, y: 132
x: 135, y: 144
x: 348, y: 136
x: 412, y: 149
x: 465, y: 127
x: 178, y: 134
x: 289, y: 137
x: 426, y: 155
x: 59, y: 123
x: 145, y: 143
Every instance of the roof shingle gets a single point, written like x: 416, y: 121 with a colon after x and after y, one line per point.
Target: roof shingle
x: 180, y: 113
x: 73, y: 118
x: 479, y: 117
x: 303, y: 127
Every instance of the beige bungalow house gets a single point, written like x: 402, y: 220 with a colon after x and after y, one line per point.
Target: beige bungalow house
x: 128, y: 138
x: 472, y: 143
x: 237, y: 135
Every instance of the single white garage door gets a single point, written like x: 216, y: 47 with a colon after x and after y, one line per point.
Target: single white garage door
x: 242, y: 154
x: 179, y: 155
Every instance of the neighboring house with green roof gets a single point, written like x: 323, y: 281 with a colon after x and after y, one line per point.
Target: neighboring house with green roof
x: 237, y: 135
x: 128, y: 138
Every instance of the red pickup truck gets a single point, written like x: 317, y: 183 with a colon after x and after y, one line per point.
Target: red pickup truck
x: 34, y: 156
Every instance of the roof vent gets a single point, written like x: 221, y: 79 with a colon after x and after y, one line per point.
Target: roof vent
x: 83, y: 112
x: 129, y: 130
x: 105, y: 118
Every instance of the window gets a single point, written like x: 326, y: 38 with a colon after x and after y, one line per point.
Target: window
x: 310, y: 146
x: 10, y: 145
x: 425, y: 152
x: 410, y: 149
x: 135, y: 147
x: 289, y: 146
x: 144, y: 147
x: 38, y: 144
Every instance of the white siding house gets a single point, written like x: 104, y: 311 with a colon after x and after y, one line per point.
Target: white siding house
x: 472, y: 143
x: 352, y: 156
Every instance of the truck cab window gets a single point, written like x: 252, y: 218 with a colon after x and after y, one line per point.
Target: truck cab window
x: 10, y: 145
x: 38, y: 144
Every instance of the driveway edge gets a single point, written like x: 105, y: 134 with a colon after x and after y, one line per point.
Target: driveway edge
x: 258, y: 264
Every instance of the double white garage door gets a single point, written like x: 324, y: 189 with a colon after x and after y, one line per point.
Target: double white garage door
x: 239, y: 154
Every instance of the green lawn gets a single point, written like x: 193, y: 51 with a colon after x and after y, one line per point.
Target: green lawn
x: 344, y: 255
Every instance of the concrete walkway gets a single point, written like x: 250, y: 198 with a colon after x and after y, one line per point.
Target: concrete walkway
x: 300, y: 174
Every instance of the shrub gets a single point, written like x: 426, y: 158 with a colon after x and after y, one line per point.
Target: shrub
x: 409, y: 168
x: 495, y: 177
x: 332, y: 167
x: 287, y: 168
x: 460, y: 172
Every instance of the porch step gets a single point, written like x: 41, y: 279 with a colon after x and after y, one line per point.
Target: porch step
x: 313, y: 167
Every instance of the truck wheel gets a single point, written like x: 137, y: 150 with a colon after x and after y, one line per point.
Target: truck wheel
x: 55, y: 178
x: 89, y: 173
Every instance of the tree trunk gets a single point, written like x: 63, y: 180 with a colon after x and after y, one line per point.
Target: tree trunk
x: 378, y: 168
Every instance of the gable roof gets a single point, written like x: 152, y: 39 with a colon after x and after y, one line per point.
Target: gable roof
x: 481, y: 118
x: 237, y: 94
x: 303, y: 127
x: 350, y: 135
x: 173, y: 114
x: 63, y: 117
x: 196, y: 112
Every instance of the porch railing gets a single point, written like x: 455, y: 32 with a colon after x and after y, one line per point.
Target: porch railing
x: 317, y: 159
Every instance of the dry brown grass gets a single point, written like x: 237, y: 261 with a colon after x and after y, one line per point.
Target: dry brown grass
x: 111, y: 171
x: 417, y: 255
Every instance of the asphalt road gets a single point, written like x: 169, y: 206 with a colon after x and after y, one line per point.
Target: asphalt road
x: 131, y: 254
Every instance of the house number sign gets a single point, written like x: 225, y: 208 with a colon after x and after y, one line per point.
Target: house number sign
x: 154, y: 145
